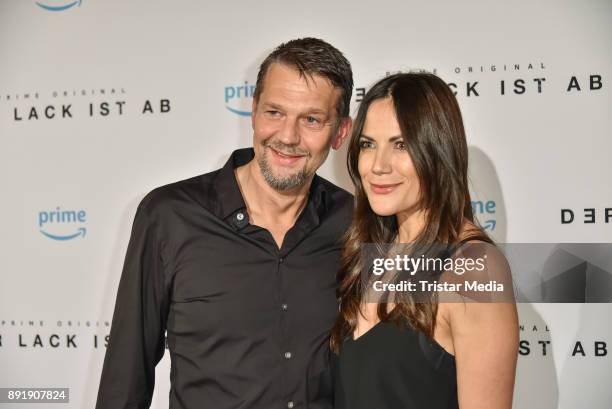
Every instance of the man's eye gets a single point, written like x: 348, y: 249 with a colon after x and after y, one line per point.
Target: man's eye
x: 313, y: 121
x: 272, y: 113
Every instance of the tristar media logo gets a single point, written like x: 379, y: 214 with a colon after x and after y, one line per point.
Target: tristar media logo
x: 61, y: 224
x: 485, y: 212
x: 58, y: 5
x: 239, y: 98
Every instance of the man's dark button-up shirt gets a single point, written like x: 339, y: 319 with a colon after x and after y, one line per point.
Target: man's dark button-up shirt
x: 247, y: 323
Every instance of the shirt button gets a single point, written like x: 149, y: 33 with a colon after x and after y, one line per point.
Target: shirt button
x: 287, y: 355
x: 240, y: 216
x: 280, y: 260
x: 290, y: 404
x: 285, y: 307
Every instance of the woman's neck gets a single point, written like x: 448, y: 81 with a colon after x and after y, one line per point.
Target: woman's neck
x: 410, y: 225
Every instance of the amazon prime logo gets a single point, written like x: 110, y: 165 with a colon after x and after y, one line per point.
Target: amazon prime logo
x: 62, y: 224
x: 484, y: 211
x: 239, y: 98
x: 58, y: 5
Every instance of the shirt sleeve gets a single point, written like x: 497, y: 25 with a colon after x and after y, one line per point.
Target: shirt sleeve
x: 137, y: 336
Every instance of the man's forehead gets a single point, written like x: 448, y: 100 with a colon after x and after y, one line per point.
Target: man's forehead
x: 285, y: 82
x: 280, y: 67
x: 311, y: 109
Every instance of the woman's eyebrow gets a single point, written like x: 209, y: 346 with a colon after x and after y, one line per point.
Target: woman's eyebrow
x: 391, y: 139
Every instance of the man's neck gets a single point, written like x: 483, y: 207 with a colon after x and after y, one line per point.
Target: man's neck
x: 267, y: 207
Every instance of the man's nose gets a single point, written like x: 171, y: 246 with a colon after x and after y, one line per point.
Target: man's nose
x: 289, y: 133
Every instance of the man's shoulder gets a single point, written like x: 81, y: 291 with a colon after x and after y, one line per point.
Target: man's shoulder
x: 339, y: 196
x: 196, y: 189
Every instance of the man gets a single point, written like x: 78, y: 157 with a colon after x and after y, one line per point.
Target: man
x: 239, y: 265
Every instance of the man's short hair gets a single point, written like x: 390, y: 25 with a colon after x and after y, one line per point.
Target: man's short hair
x: 312, y: 56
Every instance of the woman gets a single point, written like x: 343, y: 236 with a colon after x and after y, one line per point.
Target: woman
x: 408, y: 160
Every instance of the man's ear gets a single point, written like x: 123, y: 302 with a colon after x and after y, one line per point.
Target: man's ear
x: 344, y: 130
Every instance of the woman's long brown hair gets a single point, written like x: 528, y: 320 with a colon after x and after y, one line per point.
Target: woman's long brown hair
x: 432, y: 129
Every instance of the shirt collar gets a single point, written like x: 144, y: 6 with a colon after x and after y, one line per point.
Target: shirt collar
x: 229, y: 204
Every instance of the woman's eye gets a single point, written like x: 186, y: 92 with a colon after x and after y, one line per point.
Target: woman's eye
x: 365, y: 144
x: 400, y: 145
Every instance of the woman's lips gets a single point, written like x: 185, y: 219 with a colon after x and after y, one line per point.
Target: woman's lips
x: 383, y: 189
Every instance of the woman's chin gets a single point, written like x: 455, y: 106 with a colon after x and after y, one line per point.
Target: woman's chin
x: 381, y: 210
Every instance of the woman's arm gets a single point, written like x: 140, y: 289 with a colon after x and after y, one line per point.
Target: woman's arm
x: 485, y: 341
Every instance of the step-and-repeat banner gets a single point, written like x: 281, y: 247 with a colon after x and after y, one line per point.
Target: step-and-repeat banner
x: 101, y: 101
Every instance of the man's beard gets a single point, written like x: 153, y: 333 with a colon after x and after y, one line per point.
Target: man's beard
x: 282, y: 184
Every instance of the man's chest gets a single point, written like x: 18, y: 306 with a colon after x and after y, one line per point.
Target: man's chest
x: 243, y: 283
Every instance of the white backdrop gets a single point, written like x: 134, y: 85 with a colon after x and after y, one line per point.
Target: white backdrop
x: 163, y: 81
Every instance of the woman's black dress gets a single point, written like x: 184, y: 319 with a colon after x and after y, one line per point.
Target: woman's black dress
x: 393, y: 367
